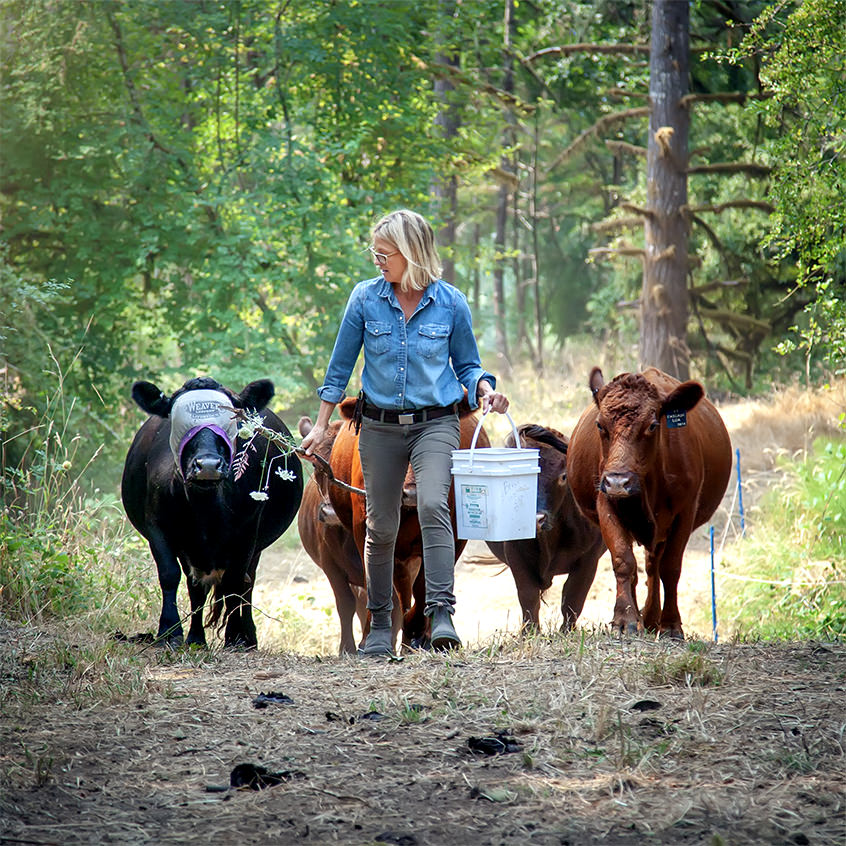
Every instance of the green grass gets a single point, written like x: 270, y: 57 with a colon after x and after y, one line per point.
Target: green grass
x: 66, y: 550
x: 793, y: 564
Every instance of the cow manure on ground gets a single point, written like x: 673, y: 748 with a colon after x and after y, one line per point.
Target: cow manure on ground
x: 499, y: 744
x: 273, y: 698
x: 644, y: 705
x: 255, y: 777
x: 141, y: 637
x: 394, y: 837
x: 332, y: 717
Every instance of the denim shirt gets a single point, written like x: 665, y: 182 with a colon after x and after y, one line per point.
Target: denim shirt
x: 415, y: 364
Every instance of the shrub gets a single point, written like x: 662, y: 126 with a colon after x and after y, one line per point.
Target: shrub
x: 795, y: 557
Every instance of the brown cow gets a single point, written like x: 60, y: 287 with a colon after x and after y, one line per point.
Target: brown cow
x: 409, y: 584
x: 565, y: 542
x: 649, y: 461
x: 330, y: 545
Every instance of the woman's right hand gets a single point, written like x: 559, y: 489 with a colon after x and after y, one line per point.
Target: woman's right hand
x: 314, y: 437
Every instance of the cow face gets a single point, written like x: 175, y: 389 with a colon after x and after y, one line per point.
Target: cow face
x: 326, y: 513
x: 630, y: 410
x: 552, y: 479
x: 203, y: 424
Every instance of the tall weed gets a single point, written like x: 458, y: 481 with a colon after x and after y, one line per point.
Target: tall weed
x: 792, y: 571
x: 65, y: 549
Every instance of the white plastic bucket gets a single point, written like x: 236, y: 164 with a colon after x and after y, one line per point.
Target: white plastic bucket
x: 496, y: 490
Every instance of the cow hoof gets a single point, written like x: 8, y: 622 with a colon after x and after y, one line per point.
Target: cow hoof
x: 671, y: 634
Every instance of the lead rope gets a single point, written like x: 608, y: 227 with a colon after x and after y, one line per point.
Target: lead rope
x: 328, y: 470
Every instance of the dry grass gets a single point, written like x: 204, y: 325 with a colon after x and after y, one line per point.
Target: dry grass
x: 621, y: 742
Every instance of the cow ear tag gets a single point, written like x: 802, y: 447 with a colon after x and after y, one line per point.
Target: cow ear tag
x: 676, y: 419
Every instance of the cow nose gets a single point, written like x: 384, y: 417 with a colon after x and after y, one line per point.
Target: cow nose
x: 542, y: 521
x: 409, y: 497
x: 327, y: 514
x: 206, y: 468
x: 620, y: 484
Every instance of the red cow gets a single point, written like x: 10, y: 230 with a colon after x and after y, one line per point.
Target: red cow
x: 648, y: 462
x: 566, y: 542
x: 330, y: 545
x: 409, y: 587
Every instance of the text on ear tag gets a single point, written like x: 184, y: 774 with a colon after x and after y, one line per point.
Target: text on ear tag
x: 676, y: 419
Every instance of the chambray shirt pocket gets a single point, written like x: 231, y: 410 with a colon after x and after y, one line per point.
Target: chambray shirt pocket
x: 377, y: 337
x: 433, y: 340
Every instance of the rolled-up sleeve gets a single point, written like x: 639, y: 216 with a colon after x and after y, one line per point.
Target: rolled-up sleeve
x: 464, y: 352
x: 346, y: 350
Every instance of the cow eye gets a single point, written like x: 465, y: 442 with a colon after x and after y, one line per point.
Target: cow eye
x: 653, y: 426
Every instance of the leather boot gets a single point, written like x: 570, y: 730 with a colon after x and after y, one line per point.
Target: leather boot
x: 443, y: 635
x: 380, y: 638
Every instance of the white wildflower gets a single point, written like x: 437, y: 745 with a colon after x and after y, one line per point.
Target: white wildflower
x: 261, y: 496
x: 285, y: 475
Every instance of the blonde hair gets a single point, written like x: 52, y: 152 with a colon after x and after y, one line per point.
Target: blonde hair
x: 413, y: 237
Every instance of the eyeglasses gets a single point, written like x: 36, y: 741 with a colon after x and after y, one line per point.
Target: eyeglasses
x: 382, y: 258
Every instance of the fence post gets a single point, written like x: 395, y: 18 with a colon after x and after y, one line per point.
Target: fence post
x: 740, y: 496
x: 713, y: 588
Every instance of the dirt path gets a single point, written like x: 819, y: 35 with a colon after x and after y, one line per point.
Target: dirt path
x: 592, y: 739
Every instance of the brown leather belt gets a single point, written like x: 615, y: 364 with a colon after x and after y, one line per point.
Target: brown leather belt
x: 406, y: 418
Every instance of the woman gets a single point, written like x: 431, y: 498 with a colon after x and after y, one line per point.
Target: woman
x: 419, y: 349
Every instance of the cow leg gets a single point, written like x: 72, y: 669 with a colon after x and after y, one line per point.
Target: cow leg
x: 240, y: 628
x: 576, y: 588
x: 524, y: 569
x: 670, y: 567
x: 619, y: 543
x: 345, y: 605
x: 170, y: 628
x: 197, y: 592
x: 652, y: 607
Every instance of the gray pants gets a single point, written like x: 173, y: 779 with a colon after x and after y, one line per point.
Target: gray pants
x: 386, y: 450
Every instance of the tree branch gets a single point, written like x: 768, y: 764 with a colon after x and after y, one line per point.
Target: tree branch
x: 603, y: 123
x: 719, y: 208
x: 623, y: 147
x: 739, y: 97
x: 751, y: 168
x: 602, y: 252
x: 741, y: 321
x: 445, y: 71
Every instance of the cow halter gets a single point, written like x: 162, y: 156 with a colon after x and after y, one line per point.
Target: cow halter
x: 201, y: 409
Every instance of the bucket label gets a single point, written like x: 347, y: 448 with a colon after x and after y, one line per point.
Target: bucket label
x: 474, y: 506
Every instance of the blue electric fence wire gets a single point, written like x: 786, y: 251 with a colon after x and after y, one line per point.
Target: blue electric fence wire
x: 740, y: 496
x: 713, y: 588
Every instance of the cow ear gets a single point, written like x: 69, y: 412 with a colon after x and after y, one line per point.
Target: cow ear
x: 596, y: 382
x: 305, y: 426
x: 256, y: 395
x: 151, y: 399
x: 683, y: 398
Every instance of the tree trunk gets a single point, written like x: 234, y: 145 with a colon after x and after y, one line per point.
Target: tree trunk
x: 664, y: 298
x: 446, y: 188
x: 502, y: 200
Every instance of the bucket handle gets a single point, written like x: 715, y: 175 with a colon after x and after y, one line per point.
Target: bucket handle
x: 479, y: 429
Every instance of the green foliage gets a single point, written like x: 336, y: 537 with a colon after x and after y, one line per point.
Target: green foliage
x: 795, y: 557
x: 64, y: 552
x: 801, y: 64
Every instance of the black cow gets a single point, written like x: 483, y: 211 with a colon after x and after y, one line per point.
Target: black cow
x: 566, y: 542
x: 182, y: 493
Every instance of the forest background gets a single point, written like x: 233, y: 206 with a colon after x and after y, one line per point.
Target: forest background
x: 187, y: 187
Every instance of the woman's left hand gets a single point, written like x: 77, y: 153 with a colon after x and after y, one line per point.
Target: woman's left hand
x: 494, y: 401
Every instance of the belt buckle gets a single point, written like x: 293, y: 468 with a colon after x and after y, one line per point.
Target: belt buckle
x: 405, y: 419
